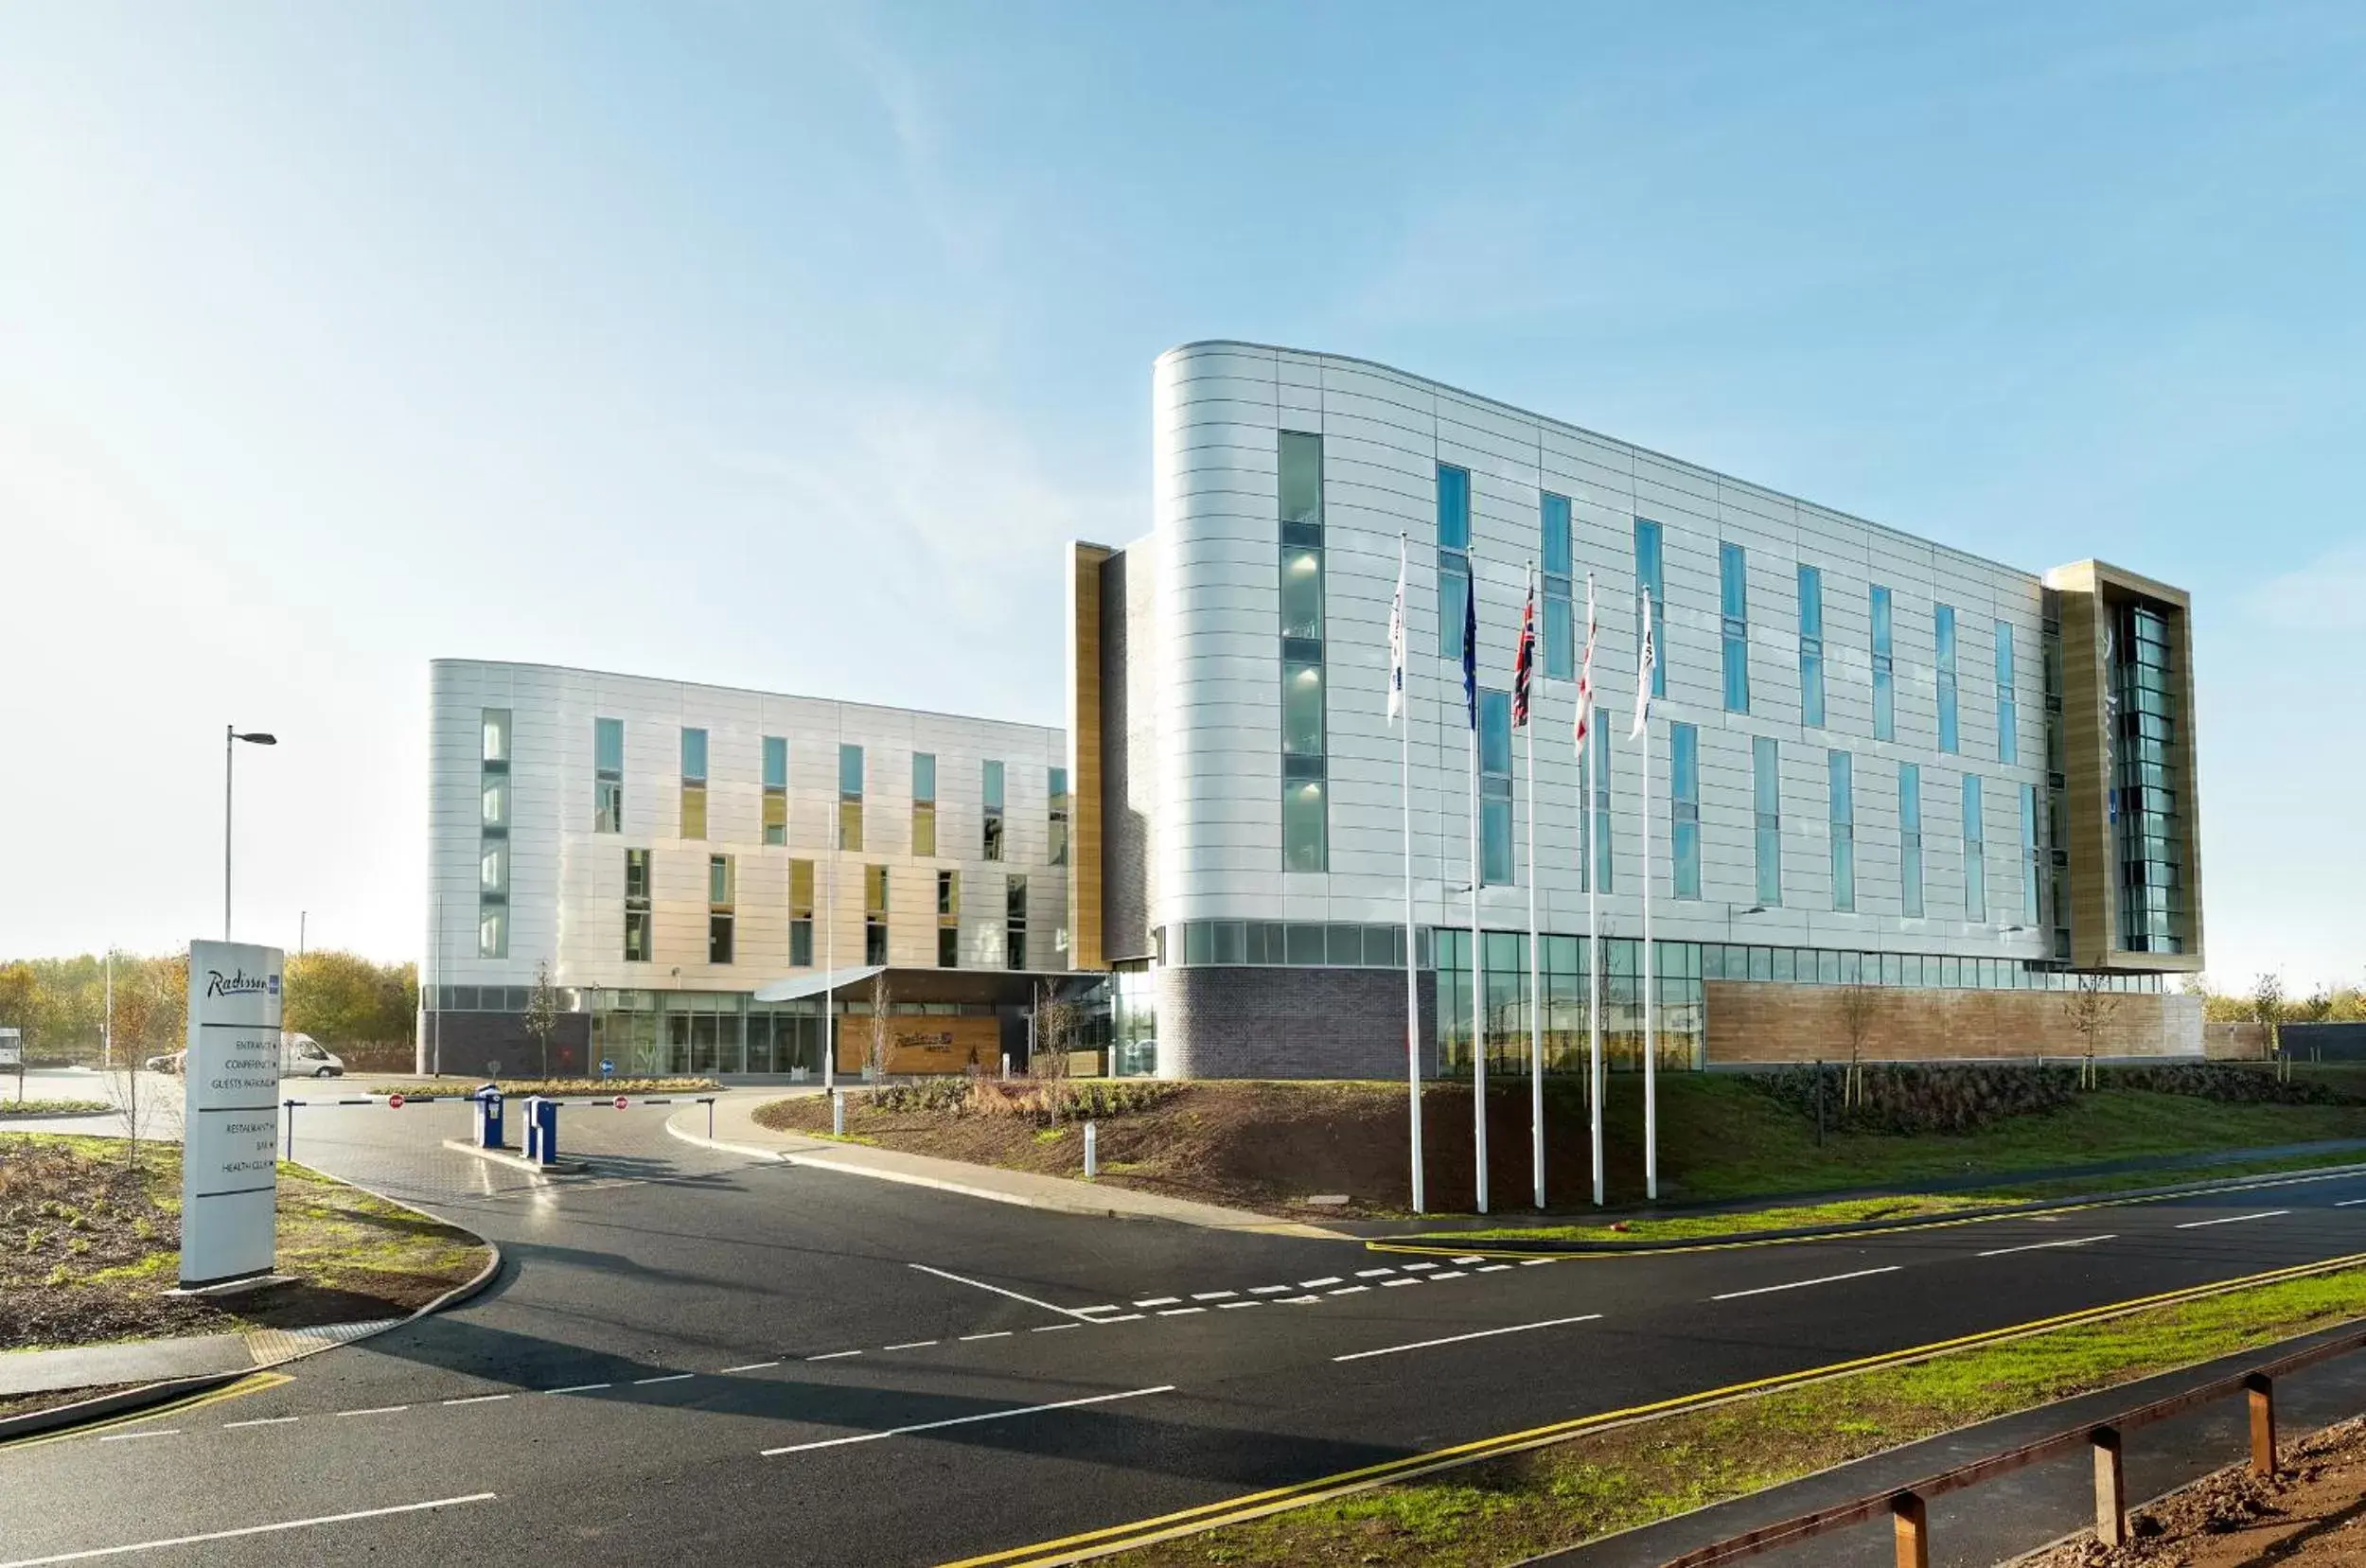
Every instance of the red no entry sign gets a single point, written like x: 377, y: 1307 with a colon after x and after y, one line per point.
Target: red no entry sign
x: 620, y: 1102
x: 394, y: 1102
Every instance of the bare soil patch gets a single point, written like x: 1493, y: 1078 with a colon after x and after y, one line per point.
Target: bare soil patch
x: 2313, y: 1515
x: 89, y: 1244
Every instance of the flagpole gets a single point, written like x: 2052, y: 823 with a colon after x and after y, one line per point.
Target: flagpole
x: 1405, y: 790
x: 1478, y: 963
x: 1536, y: 994
x: 1651, y: 1001
x: 1592, y: 958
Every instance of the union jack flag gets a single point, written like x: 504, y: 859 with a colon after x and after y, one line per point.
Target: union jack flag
x: 1526, y: 661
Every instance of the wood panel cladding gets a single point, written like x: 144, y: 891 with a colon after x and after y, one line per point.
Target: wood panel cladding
x: 1086, y: 947
x: 1752, y: 1021
x: 922, y: 1044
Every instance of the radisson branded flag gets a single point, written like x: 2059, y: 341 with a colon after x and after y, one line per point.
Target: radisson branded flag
x: 1643, y: 667
x: 1524, y: 664
x: 1470, y: 645
x: 1586, y: 673
x: 1396, y: 641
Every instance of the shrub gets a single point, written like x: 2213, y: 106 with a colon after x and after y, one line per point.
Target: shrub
x: 1965, y: 1097
x: 2228, y: 1082
x: 1049, y: 1101
x: 927, y: 1094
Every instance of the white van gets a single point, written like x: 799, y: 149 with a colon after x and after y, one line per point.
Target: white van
x: 301, y: 1056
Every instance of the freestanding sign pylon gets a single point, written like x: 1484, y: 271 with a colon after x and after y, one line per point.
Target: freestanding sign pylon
x: 230, y: 1156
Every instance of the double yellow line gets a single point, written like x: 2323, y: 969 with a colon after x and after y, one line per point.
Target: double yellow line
x: 1235, y: 1511
x: 252, y: 1384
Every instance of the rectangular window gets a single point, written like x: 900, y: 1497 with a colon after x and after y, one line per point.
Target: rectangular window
x: 1766, y: 784
x: 924, y: 803
x: 721, y: 907
x: 1811, y: 646
x: 1305, y: 825
x: 2008, y: 704
x: 1733, y: 603
x: 1560, y: 631
x: 693, y: 783
x: 1683, y: 807
x: 1453, y: 557
x: 874, y: 914
x: 1975, y: 854
x: 492, y: 925
x: 1015, y: 922
x: 775, y: 790
x: 1884, y: 699
x: 1910, y: 841
x: 1943, y: 631
x: 1598, y: 779
x: 1844, y: 832
x: 1301, y: 708
x: 1305, y: 739
x: 608, y: 775
x: 1056, y: 813
x: 2031, y: 860
x: 800, y: 914
x: 948, y: 920
x: 1495, y: 788
x: 848, y: 797
x: 1648, y: 580
x: 637, y: 929
x: 993, y: 799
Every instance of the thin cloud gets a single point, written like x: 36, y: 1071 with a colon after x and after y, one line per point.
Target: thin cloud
x: 2328, y: 594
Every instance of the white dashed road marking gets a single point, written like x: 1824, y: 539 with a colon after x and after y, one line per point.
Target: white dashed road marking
x: 2041, y: 1246
x: 964, y: 1420
x: 2233, y: 1219
x: 1802, y: 1284
x: 251, y: 1529
x: 1457, y: 1339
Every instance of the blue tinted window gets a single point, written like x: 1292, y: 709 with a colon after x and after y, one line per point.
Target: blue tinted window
x: 1884, y: 699
x: 1975, y: 853
x: 1810, y: 645
x: 1683, y: 807
x: 1766, y: 782
x: 1495, y: 733
x: 1733, y: 608
x: 1454, y: 507
x: 1649, y: 581
x: 1910, y: 841
x: 694, y: 754
x: 993, y: 786
x: 607, y: 744
x: 2008, y: 704
x: 850, y: 770
x: 1844, y: 826
x: 1943, y: 631
x: 776, y: 762
x: 1556, y: 526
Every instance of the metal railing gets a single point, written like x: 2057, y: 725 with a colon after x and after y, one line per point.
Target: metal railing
x: 396, y: 1101
x: 1908, y: 1506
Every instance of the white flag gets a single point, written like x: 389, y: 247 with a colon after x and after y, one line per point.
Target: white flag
x: 1643, y: 667
x: 1585, y: 725
x: 1396, y: 641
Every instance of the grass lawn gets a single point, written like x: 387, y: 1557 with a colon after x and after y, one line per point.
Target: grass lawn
x: 1503, y: 1510
x: 1269, y: 1146
x: 89, y: 1245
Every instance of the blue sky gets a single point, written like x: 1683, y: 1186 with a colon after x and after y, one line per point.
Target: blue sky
x: 784, y: 347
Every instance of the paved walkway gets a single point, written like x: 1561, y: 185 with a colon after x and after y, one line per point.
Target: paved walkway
x: 736, y: 1129
x: 154, y: 1360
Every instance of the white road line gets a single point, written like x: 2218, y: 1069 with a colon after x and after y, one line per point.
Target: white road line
x: 2233, y: 1219
x: 578, y: 1388
x: 1457, y: 1339
x: 251, y: 1529
x: 1470, y: 1260
x: 1212, y: 1295
x: 1491, y: 1268
x: 1299, y: 1300
x: 1231, y: 1305
x: 923, y: 1343
x: 1802, y: 1284
x: 135, y: 1436
x: 1372, y: 1274
x: 1447, y: 1274
x: 1105, y: 1307
x: 998, y: 1334
x: 376, y: 1410
x: 1277, y: 1290
x: 1181, y: 1311
x: 478, y: 1399
x: 2350, y: 1203
x: 669, y: 1377
x: 2041, y: 1246
x: 1536, y: 1263
x: 268, y: 1421
x: 1348, y: 1290
x: 956, y: 1420
x: 834, y: 1355
x: 1158, y: 1301
x: 1389, y: 1284
x: 1052, y: 1327
x: 1415, y: 1268
x: 1317, y: 1284
x: 755, y: 1366
x: 1127, y: 1317
x: 981, y: 1285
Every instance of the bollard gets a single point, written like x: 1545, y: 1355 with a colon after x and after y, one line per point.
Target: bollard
x: 290, y: 1107
x: 710, y: 1119
x: 2259, y: 1392
x: 489, y: 1117
x: 2110, y: 1486
x: 1092, y: 1150
x: 838, y: 1113
x: 542, y: 1131
x: 1911, y: 1520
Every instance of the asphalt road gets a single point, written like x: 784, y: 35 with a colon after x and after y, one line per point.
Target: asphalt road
x: 692, y: 1355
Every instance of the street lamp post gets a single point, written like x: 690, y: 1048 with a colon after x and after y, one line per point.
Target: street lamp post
x: 230, y: 736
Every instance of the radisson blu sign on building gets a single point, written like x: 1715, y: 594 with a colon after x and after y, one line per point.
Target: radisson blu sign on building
x: 230, y: 1162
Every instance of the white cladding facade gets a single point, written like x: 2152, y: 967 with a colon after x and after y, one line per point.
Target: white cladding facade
x: 1219, y: 412
x: 564, y: 899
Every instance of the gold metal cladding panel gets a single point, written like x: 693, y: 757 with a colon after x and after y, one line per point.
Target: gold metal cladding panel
x: 1083, y: 753
x: 2089, y: 590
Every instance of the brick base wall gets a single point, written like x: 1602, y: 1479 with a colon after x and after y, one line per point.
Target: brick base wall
x: 473, y: 1042
x: 1247, y: 1022
x: 1756, y: 1022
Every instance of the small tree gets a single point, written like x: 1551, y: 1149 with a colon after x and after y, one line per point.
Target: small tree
x: 2093, y: 1006
x: 542, y: 1012
x: 1859, y: 1006
x: 875, y: 1061
x: 2267, y: 1006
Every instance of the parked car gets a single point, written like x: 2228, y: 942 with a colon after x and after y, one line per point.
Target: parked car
x: 300, y: 1056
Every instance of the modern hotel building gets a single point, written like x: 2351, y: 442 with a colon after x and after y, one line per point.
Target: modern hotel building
x: 1878, y: 764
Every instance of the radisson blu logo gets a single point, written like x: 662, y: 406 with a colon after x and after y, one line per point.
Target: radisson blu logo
x: 240, y: 983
